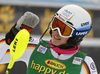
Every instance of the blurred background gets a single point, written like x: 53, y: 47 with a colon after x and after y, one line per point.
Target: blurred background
x: 12, y: 10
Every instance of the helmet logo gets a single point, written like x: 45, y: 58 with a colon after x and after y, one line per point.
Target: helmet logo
x: 68, y: 14
x: 84, y: 24
x: 81, y: 33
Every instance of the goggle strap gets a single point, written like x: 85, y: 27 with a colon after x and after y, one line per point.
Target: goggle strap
x: 81, y: 33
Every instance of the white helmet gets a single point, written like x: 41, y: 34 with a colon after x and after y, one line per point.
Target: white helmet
x: 76, y: 17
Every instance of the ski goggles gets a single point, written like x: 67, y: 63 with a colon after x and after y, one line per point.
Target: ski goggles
x: 63, y: 29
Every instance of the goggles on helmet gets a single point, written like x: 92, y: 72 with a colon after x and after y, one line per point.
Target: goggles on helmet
x: 63, y: 29
x: 66, y: 29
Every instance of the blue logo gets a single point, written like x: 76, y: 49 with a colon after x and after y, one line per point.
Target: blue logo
x: 68, y: 12
x: 42, y: 49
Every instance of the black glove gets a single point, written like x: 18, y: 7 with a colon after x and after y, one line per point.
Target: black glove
x: 11, y: 34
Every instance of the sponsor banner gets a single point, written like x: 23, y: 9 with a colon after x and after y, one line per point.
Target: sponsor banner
x: 55, y: 64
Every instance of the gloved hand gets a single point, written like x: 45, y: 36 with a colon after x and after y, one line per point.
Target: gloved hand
x: 27, y: 21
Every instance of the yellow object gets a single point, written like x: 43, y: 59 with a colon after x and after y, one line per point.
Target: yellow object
x: 7, y: 72
x: 18, y: 46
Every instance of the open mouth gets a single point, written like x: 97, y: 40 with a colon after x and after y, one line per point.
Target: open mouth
x: 57, y: 38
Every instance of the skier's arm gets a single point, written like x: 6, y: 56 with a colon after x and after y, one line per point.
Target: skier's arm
x: 27, y: 21
x: 5, y: 52
x: 88, y: 66
x: 3, y: 48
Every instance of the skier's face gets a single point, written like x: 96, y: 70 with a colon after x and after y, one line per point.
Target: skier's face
x: 57, y: 39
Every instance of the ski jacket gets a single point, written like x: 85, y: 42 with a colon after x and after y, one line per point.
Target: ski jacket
x: 85, y: 63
